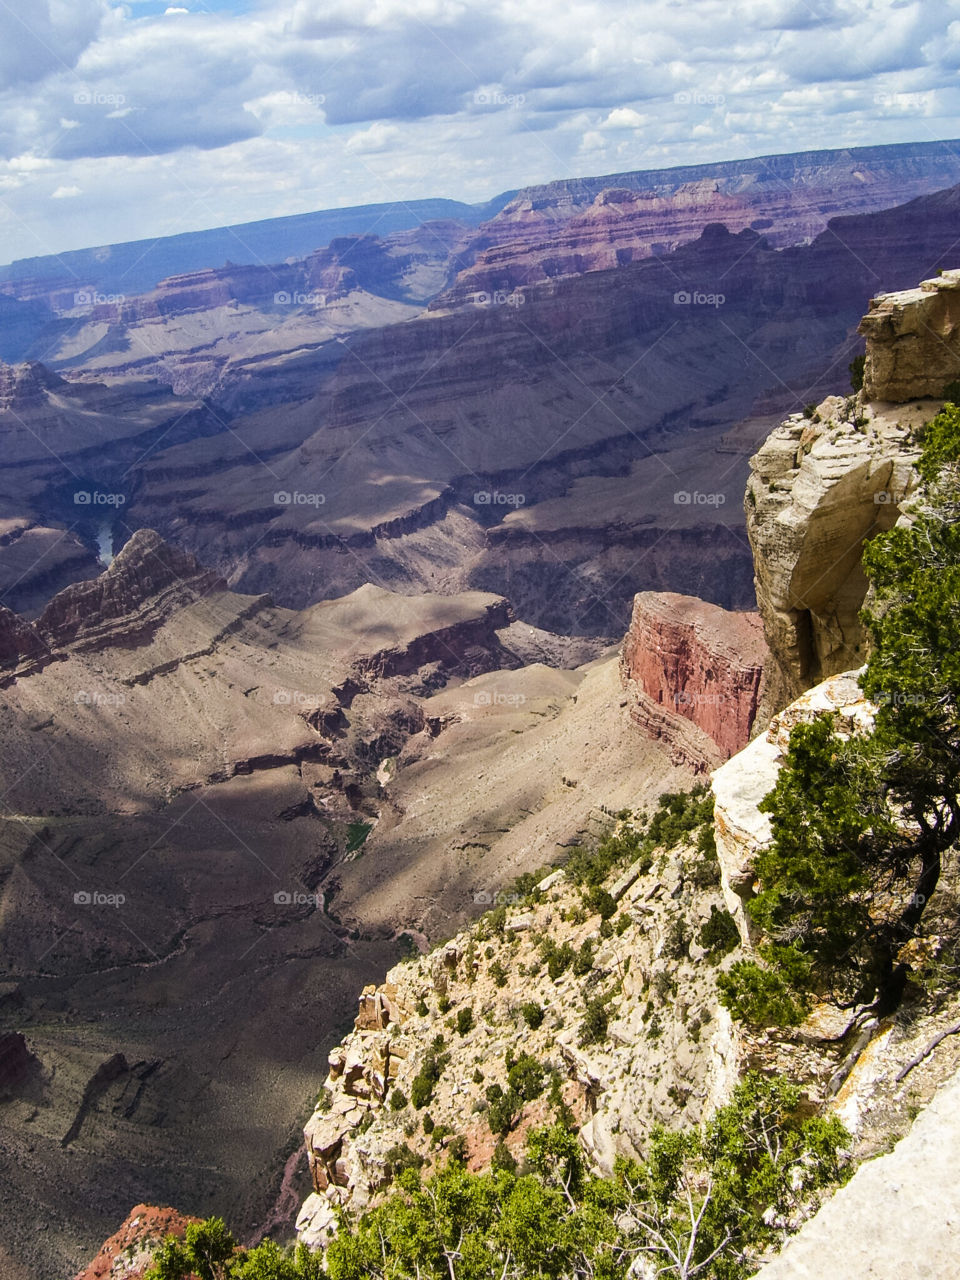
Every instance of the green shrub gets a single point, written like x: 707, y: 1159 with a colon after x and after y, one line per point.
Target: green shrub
x: 398, y: 1100
x: 532, y: 1014
x: 720, y: 934
x: 593, y: 1029
x: 464, y: 1020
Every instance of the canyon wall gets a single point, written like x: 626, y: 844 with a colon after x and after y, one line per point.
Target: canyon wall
x: 689, y: 664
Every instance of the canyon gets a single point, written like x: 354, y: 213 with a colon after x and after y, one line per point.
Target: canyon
x: 322, y: 620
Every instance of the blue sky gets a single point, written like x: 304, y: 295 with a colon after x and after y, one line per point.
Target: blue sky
x: 121, y: 121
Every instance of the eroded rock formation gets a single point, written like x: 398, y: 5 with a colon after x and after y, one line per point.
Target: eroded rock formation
x: 684, y: 660
x: 819, y: 488
x: 913, y: 341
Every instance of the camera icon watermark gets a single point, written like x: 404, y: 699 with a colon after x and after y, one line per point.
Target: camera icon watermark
x: 498, y: 298
x: 88, y: 498
x: 496, y: 98
x: 696, y: 298
x: 295, y: 698
x: 83, y: 698
x: 496, y: 698
x: 94, y: 98
x: 85, y: 898
x: 684, y: 498
x: 884, y: 498
x: 294, y: 898
x: 283, y: 498
x: 91, y: 298
x: 282, y: 298
x: 695, y: 98
x: 494, y: 498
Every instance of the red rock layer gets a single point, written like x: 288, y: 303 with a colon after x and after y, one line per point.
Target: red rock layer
x: 143, y: 1229
x: 684, y: 658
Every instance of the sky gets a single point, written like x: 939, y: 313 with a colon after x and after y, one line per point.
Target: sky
x: 125, y: 121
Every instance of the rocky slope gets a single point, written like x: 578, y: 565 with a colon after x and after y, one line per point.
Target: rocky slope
x: 206, y: 794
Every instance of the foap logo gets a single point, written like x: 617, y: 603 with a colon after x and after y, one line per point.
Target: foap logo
x: 897, y: 698
x: 499, y: 898
x: 93, y: 498
x: 696, y: 98
x: 83, y: 698
x: 85, y: 898
x: 696, y: 298
x: 94, y: 98
x: 291, y: 98
x: 494, y: 498
x: 285, y: 299
x: 496, y: 98
x: 687, y: 699
x: 90, y: 298
x: 498, y: 298
x: 496, y: 698
x: 884, y: 498
x: 684, y: 498
x: 904, y: 101
x: 295, y: 499
x: 294, y: 898
x: 295, y: 698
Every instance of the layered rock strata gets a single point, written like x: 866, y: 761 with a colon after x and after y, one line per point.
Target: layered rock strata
x: 819, y: 488
x: 913, y: 341
x: 688, y: 663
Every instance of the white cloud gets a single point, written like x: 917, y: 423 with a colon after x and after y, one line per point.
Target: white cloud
x: 166, y: 125
x: 65, y: 193
x: 379, y: 137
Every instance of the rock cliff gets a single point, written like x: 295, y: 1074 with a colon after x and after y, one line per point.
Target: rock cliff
x: 819, y: 487
x: 684, y: 660
x: 913, y: 341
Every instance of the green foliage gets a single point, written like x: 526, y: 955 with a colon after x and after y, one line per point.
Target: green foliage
x: 856, y: 368
x: 357, y: 833
x: 720, y: 934
x: 532, y: 1014
x: 503, y: 1109
x: 401, y: 1157
x: 398, y: 1100
x: 760, y: 996
x: 209, y: 1252
x: 583, y: 959
x: 558, y: 959
x: 602, y: 902
x: 701, y: 1204
x: 464, y: 1020
x: 525, y: 1076
x: 860, y: 823
x: 593, y: 1029
x: 503, y: 1159
x: 676, y: 939
x: 498, y: 973
x: 431, y: 1069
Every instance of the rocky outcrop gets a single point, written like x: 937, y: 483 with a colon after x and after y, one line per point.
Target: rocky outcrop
x: 147, y: 582
x: 685, y: 659
x: 130, y: 1251
x: 670, y: 1056
x: 863, y: 1230
x: 741, y: 829
x: 17, y: 1064
x: 21, y: 645
x: 819, y: 487
x: 913, y: 341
